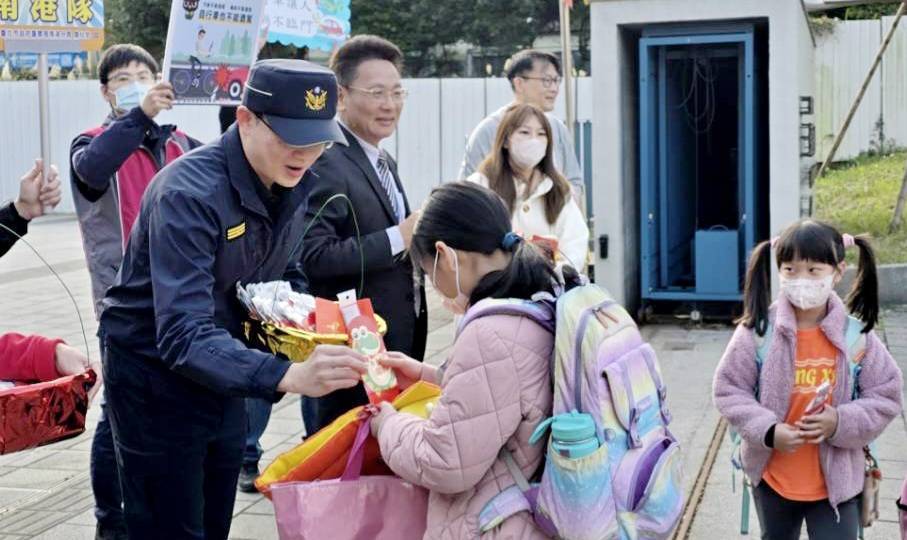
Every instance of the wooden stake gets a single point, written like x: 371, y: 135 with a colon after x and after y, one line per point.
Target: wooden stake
x: 899, y: 206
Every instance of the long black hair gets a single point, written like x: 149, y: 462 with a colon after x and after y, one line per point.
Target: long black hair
x: 816, y: 241
x: 469, y: 217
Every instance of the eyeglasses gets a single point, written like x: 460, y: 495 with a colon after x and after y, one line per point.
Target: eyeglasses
x: 380, y: 95
x: 547, y: 82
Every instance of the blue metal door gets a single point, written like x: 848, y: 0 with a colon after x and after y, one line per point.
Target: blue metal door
x: 667, y: 199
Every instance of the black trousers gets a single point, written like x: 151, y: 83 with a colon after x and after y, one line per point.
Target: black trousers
x: 782, y: 519
x: 179, y: 447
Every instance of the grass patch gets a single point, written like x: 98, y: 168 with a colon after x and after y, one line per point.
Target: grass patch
x: 859, y: 197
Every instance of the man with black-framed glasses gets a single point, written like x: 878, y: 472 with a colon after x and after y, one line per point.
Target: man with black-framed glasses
x: 371, y: 100
x: 535, y: 78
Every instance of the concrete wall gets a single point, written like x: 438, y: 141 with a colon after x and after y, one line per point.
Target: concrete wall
x: 892, y: 283
x: 614, y: 168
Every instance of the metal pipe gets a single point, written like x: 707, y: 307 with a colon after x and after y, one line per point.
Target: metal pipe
x: 567, y: 55
x: 43, y: 108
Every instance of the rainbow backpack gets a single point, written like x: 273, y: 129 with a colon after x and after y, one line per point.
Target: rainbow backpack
x: 612, y: 468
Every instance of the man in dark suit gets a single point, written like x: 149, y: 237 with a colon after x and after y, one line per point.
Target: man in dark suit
x: 336, y: 260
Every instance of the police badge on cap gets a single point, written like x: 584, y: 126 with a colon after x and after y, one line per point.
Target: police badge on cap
x: 297, y: 99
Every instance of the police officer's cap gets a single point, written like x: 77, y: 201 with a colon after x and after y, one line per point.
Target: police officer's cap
x: 297, y: 99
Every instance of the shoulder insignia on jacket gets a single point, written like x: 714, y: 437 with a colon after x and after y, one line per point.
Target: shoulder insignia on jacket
x: 236, y: 231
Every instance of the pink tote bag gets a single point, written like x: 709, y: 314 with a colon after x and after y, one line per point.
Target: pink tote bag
x: 352, y: 507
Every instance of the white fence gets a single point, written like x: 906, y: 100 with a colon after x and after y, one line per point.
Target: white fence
x: 438, y: 116
x: 842, y: 59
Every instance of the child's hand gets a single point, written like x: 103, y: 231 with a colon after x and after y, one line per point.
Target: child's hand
x: 385, y: 409
x: 820, y: 426
x: 408, y: 371
x: 787, y: 438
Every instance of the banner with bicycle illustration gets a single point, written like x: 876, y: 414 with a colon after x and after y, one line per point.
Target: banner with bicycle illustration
x: 211, y: 44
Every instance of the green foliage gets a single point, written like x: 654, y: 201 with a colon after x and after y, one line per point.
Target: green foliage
x: 870, y: 12
x: 428, y: 31
x: 859, y: 197
x: 142, y: 23
x: 864, y: 12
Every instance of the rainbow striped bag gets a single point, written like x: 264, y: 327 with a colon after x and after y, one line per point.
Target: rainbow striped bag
x: 625, y: 483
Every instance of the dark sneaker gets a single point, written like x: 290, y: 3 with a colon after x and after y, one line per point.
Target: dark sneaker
x: 110, y: 533
x: 247, y: 476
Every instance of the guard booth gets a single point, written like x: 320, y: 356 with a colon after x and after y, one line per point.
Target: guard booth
x: 697, y: 144
x: 700, y: 176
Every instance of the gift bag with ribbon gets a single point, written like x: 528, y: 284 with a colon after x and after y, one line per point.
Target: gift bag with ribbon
x: 353, y: 507
x: 322, y: 456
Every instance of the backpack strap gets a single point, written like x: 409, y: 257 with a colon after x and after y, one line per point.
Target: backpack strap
x: 763, y: 343
x: 855, y: 341
x: 541, y: 309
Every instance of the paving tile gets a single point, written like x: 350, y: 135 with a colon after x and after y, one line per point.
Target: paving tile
x: 253, y: 526
x: 68, y: 531
x: 30, y: 478
x: 29, y: 522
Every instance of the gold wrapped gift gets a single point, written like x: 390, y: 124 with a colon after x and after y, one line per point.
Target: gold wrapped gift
x: 294, y: 343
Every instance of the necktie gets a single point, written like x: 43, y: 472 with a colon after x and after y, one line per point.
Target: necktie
x: 387, y: 182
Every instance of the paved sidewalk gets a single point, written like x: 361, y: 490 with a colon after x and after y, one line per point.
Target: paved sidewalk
x: 45, y: 493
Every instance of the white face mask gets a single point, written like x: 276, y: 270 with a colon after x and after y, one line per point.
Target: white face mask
x: 131, y: 95
x: 458, y: 305
x: 527, y: 153
x: 807, y: 293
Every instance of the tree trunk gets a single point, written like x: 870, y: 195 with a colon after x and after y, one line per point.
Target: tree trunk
x: 899, y: 206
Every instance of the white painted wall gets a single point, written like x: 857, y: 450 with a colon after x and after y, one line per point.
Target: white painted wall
x: 438, y: 116
x: 610, y: 165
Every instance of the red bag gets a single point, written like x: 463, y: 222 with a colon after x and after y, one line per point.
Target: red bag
x: 37, y: 414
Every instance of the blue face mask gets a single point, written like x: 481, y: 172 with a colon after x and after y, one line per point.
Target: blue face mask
x: 131, y: 95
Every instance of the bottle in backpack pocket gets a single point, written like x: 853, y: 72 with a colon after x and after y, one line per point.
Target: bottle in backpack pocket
x: 572, y: 434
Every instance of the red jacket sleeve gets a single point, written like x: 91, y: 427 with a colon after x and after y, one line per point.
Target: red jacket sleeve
x: 27, y: 358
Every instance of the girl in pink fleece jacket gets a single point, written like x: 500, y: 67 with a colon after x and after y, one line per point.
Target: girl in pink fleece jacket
x: 805, y: 459
x: 496, y: 384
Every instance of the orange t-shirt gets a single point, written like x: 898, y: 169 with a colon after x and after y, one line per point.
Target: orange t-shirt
x: 798, y: 476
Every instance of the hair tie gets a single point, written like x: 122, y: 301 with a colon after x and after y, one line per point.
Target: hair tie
x: 510, y: 241
x: 774, y: 241
x: 849, y: 240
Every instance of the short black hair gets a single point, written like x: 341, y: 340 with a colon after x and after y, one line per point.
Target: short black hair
x: 469, y: 217
x: 523, y: 61
x: 121, y: 55
x: 358, y: 49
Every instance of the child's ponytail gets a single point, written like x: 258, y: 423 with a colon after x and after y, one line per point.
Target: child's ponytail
x: 757, y: 290
x: 863, y: 299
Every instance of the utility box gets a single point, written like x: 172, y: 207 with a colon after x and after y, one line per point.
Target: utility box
x: 717, y: 279
x: 696, y: 131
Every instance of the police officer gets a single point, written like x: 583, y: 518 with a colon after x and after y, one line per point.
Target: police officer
x: 175, y: 367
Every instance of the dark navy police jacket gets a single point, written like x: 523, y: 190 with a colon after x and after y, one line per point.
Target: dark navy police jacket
x: 202, y: 228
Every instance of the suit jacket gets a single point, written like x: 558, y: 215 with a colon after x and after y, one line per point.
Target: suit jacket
x: 331, y: 253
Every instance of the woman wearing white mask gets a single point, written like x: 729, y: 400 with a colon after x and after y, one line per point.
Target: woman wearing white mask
x: 521, y: 170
